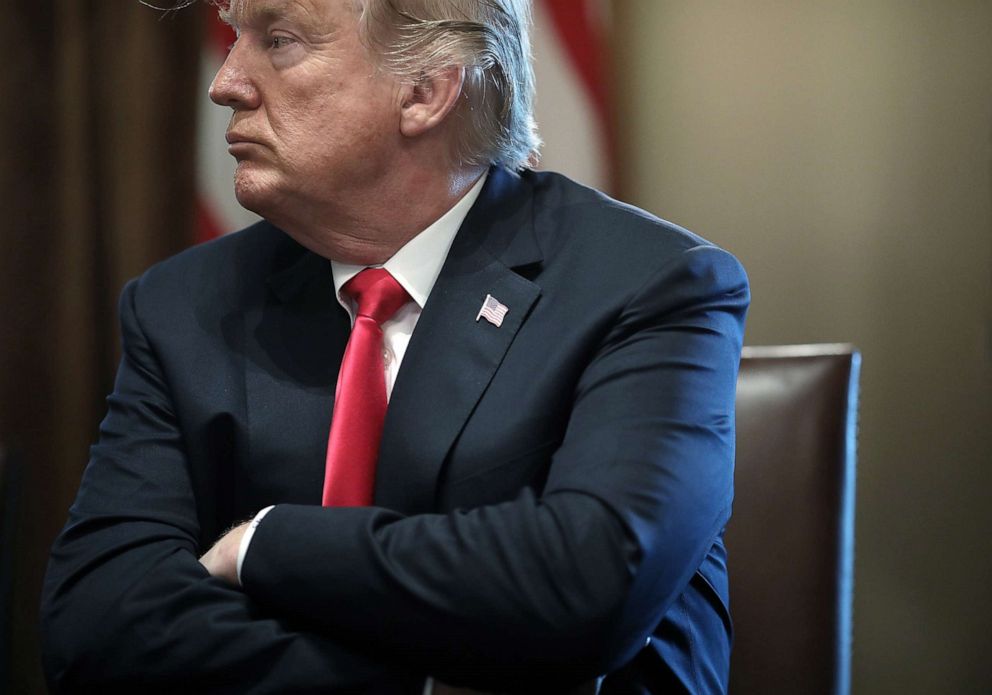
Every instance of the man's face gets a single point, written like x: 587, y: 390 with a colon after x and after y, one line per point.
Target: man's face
x: 313, y: 122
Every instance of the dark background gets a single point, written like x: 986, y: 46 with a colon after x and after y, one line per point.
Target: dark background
x: 96, y: 183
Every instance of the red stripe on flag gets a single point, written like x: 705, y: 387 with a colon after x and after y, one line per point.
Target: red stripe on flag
x: 585, y: 44
x: 207, y: 226
x: 217, y: 39
x: 220, y: 35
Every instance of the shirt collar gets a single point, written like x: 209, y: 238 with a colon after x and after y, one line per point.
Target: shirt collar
x: 418, y: 262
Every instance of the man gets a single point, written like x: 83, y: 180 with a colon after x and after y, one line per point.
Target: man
x: 542, y: 503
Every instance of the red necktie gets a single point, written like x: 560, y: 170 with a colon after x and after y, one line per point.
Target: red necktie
x: 360, y: 400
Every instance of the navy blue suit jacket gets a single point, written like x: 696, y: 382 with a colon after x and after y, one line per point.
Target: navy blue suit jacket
x: 550, y: 494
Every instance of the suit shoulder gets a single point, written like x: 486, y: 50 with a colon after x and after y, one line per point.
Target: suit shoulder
x: 594, y: 232
x: 228, y: 265
x: 210, y: 280
x: 219, y: 258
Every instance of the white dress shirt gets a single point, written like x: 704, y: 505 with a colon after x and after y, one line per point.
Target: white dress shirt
x: 416, y: 267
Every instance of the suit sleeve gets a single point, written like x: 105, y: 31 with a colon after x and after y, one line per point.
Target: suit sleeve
x: 126, y: 605
x: 566, y: 583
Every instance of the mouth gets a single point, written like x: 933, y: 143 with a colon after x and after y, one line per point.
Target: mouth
x: 237, y: 139
x: 238, y: 144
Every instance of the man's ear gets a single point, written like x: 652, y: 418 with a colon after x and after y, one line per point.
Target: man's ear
x: 428, y: 102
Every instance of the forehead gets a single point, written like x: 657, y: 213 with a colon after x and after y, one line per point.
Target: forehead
x: 247, y: 12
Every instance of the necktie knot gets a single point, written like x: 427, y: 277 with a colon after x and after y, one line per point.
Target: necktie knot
x: 377, y: 294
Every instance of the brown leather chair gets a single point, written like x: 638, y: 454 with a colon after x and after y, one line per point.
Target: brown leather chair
x: 791, y: 538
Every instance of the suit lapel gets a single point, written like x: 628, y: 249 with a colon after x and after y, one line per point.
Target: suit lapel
x: 296, y: 336
x: 452, y: 357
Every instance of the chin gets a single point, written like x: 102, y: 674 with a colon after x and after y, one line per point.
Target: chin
x: 253, y: 192
x: 250, y: 200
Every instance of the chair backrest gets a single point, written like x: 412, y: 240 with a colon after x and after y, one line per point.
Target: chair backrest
x: 791, y: 538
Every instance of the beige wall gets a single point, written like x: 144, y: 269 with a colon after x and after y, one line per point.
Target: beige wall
x: 842, y: 151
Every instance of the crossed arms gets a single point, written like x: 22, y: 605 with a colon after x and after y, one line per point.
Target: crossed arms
x: 558, y: 584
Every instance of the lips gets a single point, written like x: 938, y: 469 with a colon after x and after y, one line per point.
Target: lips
x: 236, y: 138
x: 243, y: 147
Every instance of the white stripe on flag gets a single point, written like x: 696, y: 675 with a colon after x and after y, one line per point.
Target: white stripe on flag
x: 215, y: 167
x: 575, y: 137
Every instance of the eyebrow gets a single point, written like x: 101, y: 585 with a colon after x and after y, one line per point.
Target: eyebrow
x: 242, y: 12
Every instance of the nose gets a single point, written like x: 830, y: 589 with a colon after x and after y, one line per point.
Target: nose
x: 232, y: 85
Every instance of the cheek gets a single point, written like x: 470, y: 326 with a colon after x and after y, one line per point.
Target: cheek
x: 298, y: 107
x: 303, y: 127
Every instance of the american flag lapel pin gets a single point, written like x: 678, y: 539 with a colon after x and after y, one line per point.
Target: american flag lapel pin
x: 492, y: 311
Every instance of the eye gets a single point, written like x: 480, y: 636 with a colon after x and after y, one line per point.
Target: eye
x: 279, y: 41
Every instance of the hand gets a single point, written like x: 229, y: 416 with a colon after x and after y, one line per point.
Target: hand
x: 222, y: 559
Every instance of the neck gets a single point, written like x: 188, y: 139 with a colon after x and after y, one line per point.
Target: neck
x: 369, y: 229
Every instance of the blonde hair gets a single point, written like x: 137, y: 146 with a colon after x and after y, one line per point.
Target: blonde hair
x: 490, y: 40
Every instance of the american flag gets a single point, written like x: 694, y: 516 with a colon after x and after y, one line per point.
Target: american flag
x: 492, y: 311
